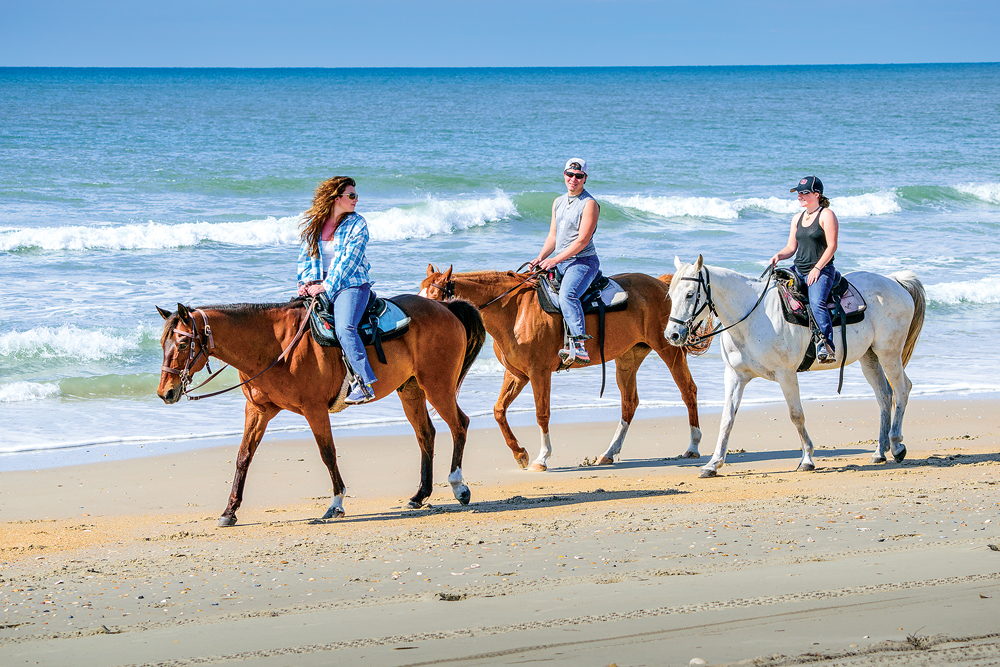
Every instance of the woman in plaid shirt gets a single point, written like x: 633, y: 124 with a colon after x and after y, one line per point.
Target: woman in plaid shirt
x: 332, y: 260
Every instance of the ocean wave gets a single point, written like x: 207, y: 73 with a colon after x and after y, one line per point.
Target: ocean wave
x: 428, y: 218
x: 986, y: 191
x: 15, y: 392
x: 72, y: 342
x: 872, y: 203
x: 984, y: 290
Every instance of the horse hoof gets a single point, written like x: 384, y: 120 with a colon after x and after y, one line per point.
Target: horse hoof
x: 522, y: 459
x: 464, y: 496
x: 878, y: 459
x: 334, y: 513
x: 900, y: 456
x: 537, y: 467
x: 414, y: 504
x: 805, y: 467
x: 226, y: 521
x: 605, y: 461
x: 708, y: 473
x: 690, y: 455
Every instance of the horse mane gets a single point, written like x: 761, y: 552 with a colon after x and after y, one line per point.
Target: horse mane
x: 480, y: 276
x: 246, y: 309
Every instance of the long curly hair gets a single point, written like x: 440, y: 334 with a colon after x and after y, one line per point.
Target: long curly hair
x: 321, y: 210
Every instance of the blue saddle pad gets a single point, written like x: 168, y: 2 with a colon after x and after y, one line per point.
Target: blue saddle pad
x: 381, y: 315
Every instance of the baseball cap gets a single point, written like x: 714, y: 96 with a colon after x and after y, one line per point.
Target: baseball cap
x: 809, y: 184
x: 576, y: 163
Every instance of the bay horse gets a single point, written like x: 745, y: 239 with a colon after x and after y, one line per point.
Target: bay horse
x: 428, y: 363
x: 526, y: 340
x: 763, y: 344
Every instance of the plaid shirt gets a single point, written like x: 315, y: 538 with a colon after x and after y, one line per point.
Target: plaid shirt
x: 349, y: 267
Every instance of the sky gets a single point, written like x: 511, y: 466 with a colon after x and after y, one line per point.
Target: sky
x: 475, y: 33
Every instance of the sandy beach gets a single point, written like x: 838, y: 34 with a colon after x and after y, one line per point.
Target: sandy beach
x: 642, y: 563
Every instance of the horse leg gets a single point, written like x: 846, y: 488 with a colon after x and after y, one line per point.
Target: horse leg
x: 676, y: 361
x: 445, y: 401
x: 541, y: 387
x: 790, y: 388
x: 319, y: 422
x: 626, y: 367
x: 901, y: 385
x: 413, y: 399
x: 883, y: 396
x: 255, y: 423
x: 513, y: 383
x: 735, y: 384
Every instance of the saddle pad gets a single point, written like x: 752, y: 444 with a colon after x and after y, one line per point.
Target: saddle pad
x: 382, y: 314
x: 612, y: 295
x: 795, y: 302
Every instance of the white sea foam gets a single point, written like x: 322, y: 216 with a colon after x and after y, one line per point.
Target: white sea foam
x: 438, y: 216
x: 984, y: 290
x: 14, y: 392
x: 872, y: 203
x: 986, y: 191
x: 430, y: 217
x: 69, y: 342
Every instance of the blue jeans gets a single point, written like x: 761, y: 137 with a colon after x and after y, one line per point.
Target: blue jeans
x: 819, y: 294
x: 348, y: 307
x: 577, y: 274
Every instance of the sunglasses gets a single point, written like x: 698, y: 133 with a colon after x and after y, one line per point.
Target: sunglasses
x: 350, y: 195
x: 574, y: 174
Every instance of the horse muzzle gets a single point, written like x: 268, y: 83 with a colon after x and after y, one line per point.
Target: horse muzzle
x: 170, y: 396
x: 676, y: 334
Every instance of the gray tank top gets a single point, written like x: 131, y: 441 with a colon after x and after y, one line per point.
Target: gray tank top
x: 569, y: 212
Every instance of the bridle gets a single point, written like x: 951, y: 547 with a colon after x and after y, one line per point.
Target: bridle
x: 206, y: 345
x: 704, y: 280
x: 448, y: 289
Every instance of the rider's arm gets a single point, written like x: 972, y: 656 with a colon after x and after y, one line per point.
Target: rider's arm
x: 790, y: 247
x: 350, y: 256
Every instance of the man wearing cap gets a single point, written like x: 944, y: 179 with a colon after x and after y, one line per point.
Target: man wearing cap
x: 813, y: 240
x: 569, y: 249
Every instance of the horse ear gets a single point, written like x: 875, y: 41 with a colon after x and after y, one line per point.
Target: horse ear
x: 447, y: 274
x: 165, y: 314
x: 183, y: 311
x: 677, y: 263
x: 699, y: 263
x: 431, y: 270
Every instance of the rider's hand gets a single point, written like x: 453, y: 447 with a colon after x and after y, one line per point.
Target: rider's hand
x: 547, y: 264
x: 775, y: 260
x: 314, y: 289
x: 302, y: 290
x: 812, y: 277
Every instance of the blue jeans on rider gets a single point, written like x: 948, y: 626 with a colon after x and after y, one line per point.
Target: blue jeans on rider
x: 577, y: 274
x: 348, y: 307
x: 819, y: 294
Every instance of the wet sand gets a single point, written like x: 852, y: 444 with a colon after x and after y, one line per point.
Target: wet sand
x: 639, y: 563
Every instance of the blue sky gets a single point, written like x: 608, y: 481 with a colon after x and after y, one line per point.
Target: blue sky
x: 472, y: 33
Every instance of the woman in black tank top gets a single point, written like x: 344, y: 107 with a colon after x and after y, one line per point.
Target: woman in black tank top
x: 813, y: 241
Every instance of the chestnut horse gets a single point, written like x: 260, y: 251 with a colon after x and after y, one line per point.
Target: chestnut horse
x: 527, y: 340
x: 428, y: 363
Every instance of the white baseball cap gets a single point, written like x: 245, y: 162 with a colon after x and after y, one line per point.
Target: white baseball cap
x: 577, y: 163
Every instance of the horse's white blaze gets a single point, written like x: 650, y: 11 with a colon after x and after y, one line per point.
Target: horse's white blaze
x: 545, y: 452
x: 764, y: 345
x: 422, y: 293
x: 617, y: 441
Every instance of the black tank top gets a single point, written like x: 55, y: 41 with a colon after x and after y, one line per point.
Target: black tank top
x: 811, y: 242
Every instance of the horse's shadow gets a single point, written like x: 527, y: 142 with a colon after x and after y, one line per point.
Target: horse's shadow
x: 934, y: 461
x: 514, y: 503
x: 679, y: 462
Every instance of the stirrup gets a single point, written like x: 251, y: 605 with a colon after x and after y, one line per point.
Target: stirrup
x: 360, y: 393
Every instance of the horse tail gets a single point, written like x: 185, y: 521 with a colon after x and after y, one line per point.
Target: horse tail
x: 912, y: 284
x: 475, y: 332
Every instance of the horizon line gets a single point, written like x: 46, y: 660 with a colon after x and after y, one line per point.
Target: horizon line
x: 467, y: 67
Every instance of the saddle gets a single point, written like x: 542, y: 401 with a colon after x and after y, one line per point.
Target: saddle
x: 602, y: 292
x: 382, y: 320
x: 845, y: 300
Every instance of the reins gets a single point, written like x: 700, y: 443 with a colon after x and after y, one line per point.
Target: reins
x: 449, y: 287
x: 206, y: 343
x: 706, y: 282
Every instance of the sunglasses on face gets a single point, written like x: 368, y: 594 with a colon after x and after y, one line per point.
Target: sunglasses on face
x: 574, y: 174
x: 350, y: 195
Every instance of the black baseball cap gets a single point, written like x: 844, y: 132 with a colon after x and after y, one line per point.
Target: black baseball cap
x: 809, y: 184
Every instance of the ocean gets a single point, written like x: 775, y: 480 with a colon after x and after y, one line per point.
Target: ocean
x: 122, y: 189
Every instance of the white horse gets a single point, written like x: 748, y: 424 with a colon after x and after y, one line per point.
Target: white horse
x: 760, y: 343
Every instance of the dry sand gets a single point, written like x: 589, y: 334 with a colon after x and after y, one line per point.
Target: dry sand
x: 637, y: 564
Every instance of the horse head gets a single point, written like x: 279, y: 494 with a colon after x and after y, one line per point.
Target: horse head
x: 689, y: 301
x: 438, y: 285
x: 186, y: 347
